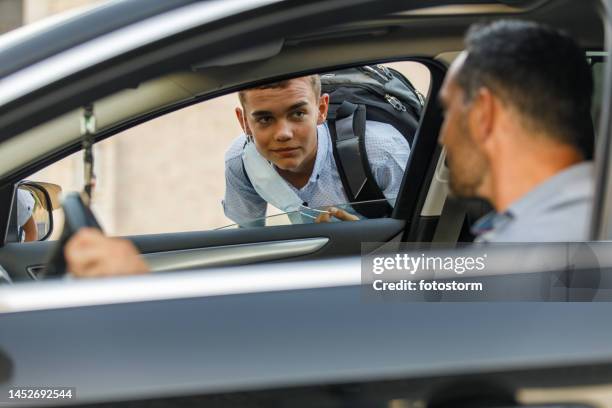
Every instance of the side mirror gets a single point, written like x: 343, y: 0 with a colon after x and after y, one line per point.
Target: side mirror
x: 33, y: 207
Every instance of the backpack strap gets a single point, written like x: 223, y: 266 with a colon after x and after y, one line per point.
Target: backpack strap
x: 348, y: 143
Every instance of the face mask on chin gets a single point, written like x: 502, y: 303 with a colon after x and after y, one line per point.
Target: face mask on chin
x: 267, y: 182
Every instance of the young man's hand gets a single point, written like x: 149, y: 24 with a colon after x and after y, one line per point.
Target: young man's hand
x: 89, y: 253
x: 336, y: 212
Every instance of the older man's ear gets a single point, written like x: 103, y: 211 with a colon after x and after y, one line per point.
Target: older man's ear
x: 482, y: 116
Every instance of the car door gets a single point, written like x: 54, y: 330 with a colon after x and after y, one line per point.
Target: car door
x: 196, y: 249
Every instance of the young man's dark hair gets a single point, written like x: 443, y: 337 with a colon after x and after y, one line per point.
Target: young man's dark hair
x: 540, y: 71
x: 315, y: 82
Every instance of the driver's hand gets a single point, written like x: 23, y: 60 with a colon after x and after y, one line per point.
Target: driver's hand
x: 89, y: 253
x: 336, y: 212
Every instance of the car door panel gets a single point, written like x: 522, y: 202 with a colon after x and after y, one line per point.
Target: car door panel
x: 233, y: 254
x: 257, y: 341
x: 235, y: 246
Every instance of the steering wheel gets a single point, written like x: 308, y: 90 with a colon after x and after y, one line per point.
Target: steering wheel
x: 76, y: 216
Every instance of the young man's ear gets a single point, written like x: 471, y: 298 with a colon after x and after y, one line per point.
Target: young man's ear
x: 323, y: 107
x: 243, y: 122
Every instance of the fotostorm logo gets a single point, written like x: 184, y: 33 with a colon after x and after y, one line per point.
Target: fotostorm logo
x: 412, y: 264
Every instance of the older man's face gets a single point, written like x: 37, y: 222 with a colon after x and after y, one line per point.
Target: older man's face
x: 466, y: 162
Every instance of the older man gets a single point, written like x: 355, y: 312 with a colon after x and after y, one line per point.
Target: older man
x: 518, y: 129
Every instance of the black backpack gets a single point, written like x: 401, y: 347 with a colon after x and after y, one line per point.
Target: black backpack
x: 375, y: 93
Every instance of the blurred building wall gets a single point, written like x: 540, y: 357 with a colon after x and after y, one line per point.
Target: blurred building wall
x: 11, y: 14
x: 35, y: 10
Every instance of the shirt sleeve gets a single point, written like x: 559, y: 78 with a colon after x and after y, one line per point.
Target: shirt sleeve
x: 388, y: 152
x: 241, y: 203
x: 25, y: 206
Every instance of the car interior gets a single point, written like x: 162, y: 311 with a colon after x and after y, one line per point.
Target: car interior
x: 423, y: 212
x: 300, y: 344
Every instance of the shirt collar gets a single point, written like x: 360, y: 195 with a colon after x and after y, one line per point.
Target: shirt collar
x: 491, y: 221
x: 323, y: 146
x: 555, y: 190
x: 544, y: 196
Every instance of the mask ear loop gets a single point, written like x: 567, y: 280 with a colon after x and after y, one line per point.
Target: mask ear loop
x: 246, y: 132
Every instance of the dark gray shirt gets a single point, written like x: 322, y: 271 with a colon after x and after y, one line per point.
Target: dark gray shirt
x: 557, y: 210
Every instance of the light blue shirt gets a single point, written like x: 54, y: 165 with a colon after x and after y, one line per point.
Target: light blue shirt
x: 557, y: 210
x: 387, y: 152
x: 25, y: 206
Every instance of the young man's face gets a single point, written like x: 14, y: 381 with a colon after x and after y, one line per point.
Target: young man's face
x: 283, y: 122
x: 466, y: 162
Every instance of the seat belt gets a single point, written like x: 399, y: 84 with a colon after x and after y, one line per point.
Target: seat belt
x: 451, y: 221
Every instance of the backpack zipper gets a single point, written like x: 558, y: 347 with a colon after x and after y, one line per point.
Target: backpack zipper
x: 386, y: 71
x: 386, y: 76
x: 396, y: 103
x: 374, y: 71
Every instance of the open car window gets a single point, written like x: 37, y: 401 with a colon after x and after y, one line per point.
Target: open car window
x: 170, y: 174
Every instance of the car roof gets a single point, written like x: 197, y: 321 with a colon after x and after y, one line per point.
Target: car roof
x: 55, y: 34
x: 29, y: 44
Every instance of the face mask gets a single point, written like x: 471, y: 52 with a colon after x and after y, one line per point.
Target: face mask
x: 267, y: 182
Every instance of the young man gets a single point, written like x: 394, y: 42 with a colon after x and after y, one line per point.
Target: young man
x: 518, y: 129
x: 284, y: 123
